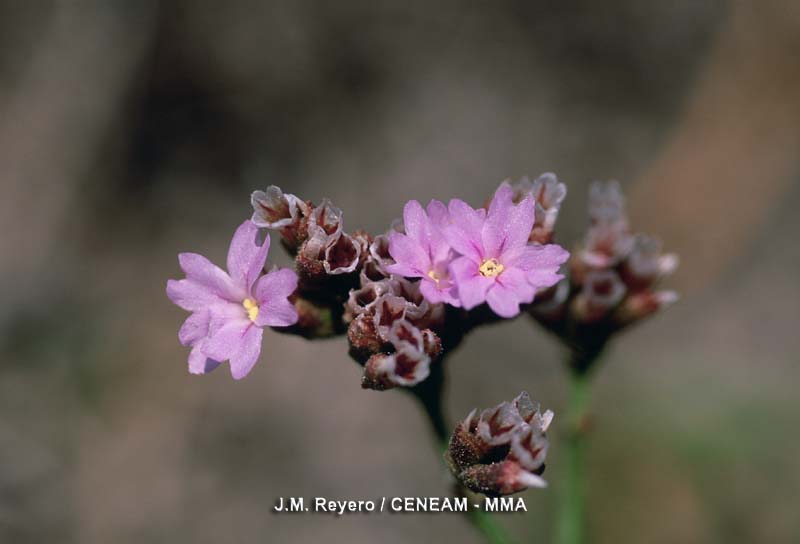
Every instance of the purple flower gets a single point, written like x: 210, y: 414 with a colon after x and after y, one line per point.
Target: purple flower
x: 497, y: 265
x: 230, y: 309
x: 423, y: 252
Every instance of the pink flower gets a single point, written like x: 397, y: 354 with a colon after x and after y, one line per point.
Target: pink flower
x: 497, y: 265
x: 229, y: 310
x: 423, y: 252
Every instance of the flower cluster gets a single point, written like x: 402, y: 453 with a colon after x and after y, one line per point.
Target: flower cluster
x: 439, y: 256
x: 392, y: 330
x: 407, y: 296
x: 613, y: 277
x: 466, y: 257
x: 229, y: 309
x: 501, y: 450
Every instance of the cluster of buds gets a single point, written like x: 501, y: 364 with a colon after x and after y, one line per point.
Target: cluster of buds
x: 391, y: 325
x: 613, y: 277
x: 501, y: 450
x: 315, y: 235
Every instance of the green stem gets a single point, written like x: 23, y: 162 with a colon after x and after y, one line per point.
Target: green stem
x: 572, y: 507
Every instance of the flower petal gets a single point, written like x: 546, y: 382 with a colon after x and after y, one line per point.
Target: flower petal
x: 201, y: 270
x: 226, y: 339
x: 509, y: 291
x: 416, y: 223
x: 434, y: 294
x: 464, y: 232
x: 191, y: 295
x: 542, y: 279
x: 508, y: 226
x: 199, y: 363
x: 246, y: 356
x: 495, y: 229
x: 277, y: 313
x: 194, y: 328
x: 246, y: 257
x: 472, y: 286
x: 411, y: 259
x: 277, y: 284
x: 520, y: 224
x: 272, y: 292
x: 438, y: 214
x: 534, y: 257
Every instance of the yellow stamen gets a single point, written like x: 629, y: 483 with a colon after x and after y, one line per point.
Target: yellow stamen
x: 251, y: 307
x: 432, y: 275
x: 490, y: 268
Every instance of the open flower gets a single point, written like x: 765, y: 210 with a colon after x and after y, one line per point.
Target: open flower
x: 423, y: 252
x: 497, y: 265
x: 230, y: 309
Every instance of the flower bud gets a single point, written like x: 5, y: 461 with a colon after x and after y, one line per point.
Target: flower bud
x: 363, y: 338
x: 406, y: 367
x: 498, y: 479
x: 422, y: 313
x: 529, y: 448
x: 645, y: 264
x: 496, y: 425
x: 548, y: 193
x: 643, y: 304
x: 328, y: 251
x: 530, y: 412
x: 502, y: 451
x: 364, y: 298
x: 606, y: 245
x: 431, y: 343
x: 388, y: 309
x: 602, y: 292
x: 379, y: 254
x: 274, y: 209
x: 342, y: 256
x: 607, y: 203
x: 465, y: 447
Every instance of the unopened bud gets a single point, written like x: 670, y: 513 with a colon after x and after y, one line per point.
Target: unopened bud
x: 363, y: 338
x: 405, y: 367
x: 529, y: 448
x: 602, y: 292
x: 274, y: 209
x: 643, y: 304
x: 645, y: 264
x: 498, y: 479
x: 607, y: 203
x: 496, y: 425
x: 502, y: 450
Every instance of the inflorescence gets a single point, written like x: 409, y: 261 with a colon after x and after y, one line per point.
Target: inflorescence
x: 407, y: 297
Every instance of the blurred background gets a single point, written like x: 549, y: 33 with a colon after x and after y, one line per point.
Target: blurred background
x: 130, y: 131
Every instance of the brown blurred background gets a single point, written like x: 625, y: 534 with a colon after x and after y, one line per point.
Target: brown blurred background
x: 130, y: 131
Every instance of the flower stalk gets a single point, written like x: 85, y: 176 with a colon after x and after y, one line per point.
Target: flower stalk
x: 571, y: 521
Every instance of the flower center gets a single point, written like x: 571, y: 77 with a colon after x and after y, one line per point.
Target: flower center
x: 251, y: 307
x: 490, y: 268
x: 432, y: 275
